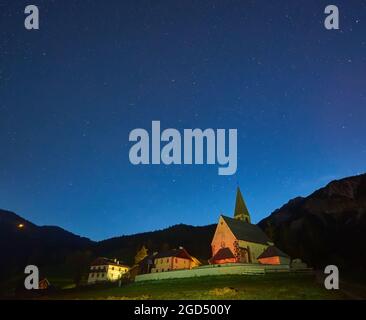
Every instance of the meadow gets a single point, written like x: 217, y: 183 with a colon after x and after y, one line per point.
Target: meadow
x: 236, y: 287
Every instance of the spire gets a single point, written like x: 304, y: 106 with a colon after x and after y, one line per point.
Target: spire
x: 241, y: 211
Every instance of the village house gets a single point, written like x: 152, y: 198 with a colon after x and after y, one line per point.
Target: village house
x: 44, y: 284
x: 273, y: 255
x: 237, y: 240
x: 143, y: 267
x: 106, y: 270
x: 175, y: 259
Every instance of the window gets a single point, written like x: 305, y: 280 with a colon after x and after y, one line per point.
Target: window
x: 176, y: 260
x: 167, y: 260
x: 112, y: 268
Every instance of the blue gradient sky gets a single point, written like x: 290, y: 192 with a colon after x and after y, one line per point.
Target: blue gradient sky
x: 71, y: 92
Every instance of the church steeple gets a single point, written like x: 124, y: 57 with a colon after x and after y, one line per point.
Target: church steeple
x: 241, y: 212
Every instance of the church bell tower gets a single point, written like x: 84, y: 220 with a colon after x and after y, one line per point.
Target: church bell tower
x: 241, y: 211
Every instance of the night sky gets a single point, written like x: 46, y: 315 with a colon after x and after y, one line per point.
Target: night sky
x: 71, y: 92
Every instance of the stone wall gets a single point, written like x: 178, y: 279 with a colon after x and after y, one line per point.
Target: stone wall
x: 215, y: 270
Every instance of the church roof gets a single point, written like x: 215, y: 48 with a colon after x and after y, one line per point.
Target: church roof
x: 240, y: 206
x: 272, y: 251
x: 246, y: 231
x: 223, y: 253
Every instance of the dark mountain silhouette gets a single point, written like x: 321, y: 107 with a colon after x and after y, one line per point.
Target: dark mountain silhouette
x: 54, y: 248
x: 23, y: 243
x: 327, y: 227
x: 196, y: 240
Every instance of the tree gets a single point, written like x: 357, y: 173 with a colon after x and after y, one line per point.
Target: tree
x: 141, y: 254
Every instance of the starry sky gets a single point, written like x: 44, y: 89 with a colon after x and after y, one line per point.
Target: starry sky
x: 71, y: 92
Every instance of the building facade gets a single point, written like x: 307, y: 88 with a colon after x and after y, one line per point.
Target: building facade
x: 106, y: 270
x: 176, y: 259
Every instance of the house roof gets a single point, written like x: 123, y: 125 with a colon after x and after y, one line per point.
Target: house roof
x: 44, y: 280
x: 105, y: 261
x: 179, y: 253
x: 223, y: 253
x: 272, y: 251
x: 147, y: 260
x: 246, y: 231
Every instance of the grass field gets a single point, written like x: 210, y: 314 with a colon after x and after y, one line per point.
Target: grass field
x: 274, y: 286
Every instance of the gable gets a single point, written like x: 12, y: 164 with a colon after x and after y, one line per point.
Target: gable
x: 222, y: 254
x: 222, y: 231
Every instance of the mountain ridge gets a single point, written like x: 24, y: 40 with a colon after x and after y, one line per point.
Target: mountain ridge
x: 326, y: 227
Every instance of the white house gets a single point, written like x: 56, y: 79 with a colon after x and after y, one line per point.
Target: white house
x: 106, y: 270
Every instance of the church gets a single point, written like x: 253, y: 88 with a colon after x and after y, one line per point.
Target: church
x: 237, y: 240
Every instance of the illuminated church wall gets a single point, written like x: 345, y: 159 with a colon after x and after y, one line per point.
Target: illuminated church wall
x: 255, y: 249
x: 223, y: 238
